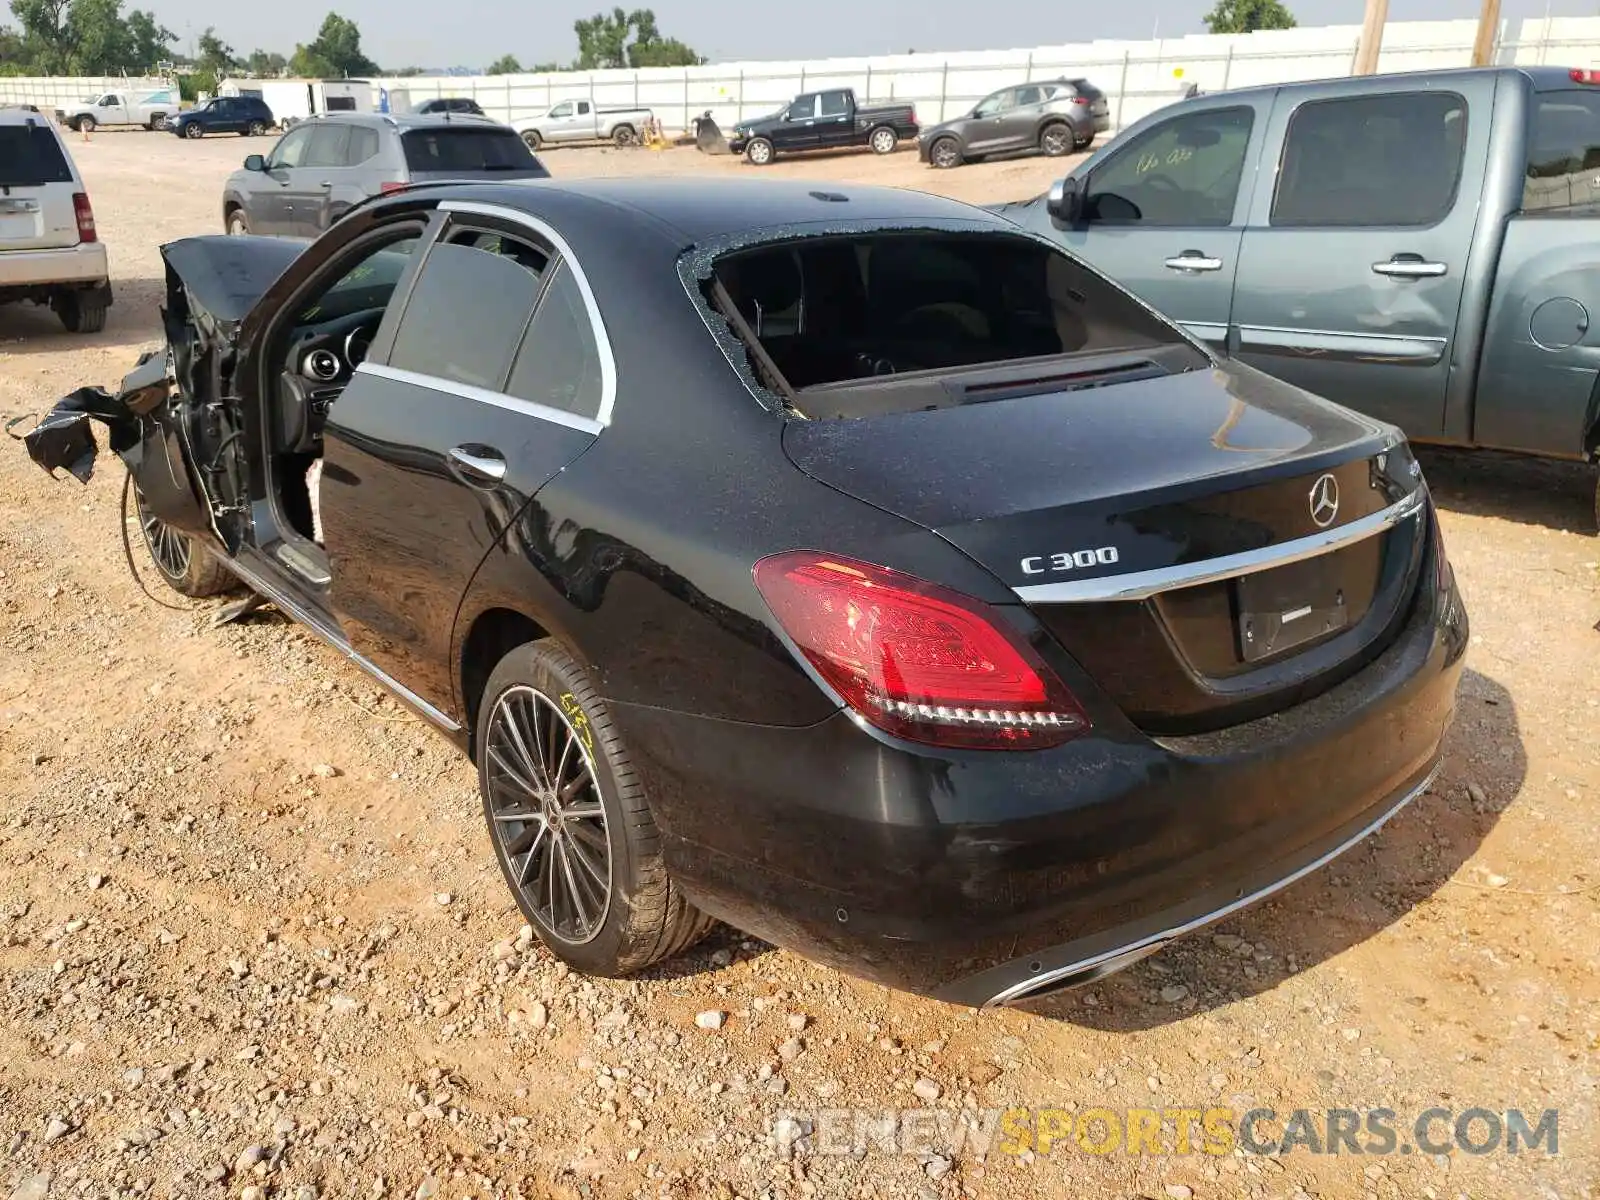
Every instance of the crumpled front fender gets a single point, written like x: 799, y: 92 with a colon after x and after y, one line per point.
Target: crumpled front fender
x: 65, y: 439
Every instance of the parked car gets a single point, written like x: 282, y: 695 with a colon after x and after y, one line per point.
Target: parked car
x: 50, y: 252
x: 1055, y: 117
x: 1420, y: 247
x: 581, y: 121
x: 903, y: 598
x: 450, y: 104
x: 325, y: 166
x: 246, y: 115
x: 830, y: 120
x: 149, y: 109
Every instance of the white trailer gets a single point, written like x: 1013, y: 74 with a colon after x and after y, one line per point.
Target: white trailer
x: 294, y: 100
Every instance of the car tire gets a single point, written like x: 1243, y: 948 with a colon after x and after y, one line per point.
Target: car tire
x: 80, y: 312
x: 758, y: 152
x: 643, y: 917
x: 883, y: 140
x: 945, y: 153
x: 624, y: 136
x: 184, y: 564
x: 532, y: 140
x: 1056, y: 139
x: 1082, y: 141
x: 236, y: 223
x: 256, y: 129
x: 158, y: 122
x: 86, y: 124
x: 194, y: 130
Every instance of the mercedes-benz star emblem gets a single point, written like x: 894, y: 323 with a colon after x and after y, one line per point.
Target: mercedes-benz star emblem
x: 1324, y: 501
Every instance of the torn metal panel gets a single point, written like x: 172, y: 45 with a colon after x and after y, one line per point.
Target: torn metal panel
x: 65, y: 439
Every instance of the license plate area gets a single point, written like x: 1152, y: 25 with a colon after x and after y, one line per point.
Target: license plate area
x: 1290, y: 606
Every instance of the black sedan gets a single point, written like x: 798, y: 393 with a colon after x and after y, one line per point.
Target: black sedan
x: 851, y: 566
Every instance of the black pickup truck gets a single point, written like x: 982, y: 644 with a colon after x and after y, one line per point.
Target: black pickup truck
x: 830, y: 120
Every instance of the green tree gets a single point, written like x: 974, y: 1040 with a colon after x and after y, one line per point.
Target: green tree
x: 336, y: 52
x: 266, y: 63
x: 213, y: 54
x: 152, y: 41
x: 84, y: 37
x: 1247, y: 16
x: 506, y: 64
x: 47, y: 43
x: 624, y: 39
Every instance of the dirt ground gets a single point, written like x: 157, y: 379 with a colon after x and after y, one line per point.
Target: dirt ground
x: 253, y: 941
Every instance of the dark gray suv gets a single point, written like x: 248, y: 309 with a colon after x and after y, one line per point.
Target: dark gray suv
x: 1055, y: 117
x: 324, y: 166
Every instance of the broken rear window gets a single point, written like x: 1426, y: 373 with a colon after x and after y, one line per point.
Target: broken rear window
x: 907, y: 320
x: 30, y: 156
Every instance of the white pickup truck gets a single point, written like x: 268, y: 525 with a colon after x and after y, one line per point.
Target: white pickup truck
x: 582, y: 121
x: 150, y: 109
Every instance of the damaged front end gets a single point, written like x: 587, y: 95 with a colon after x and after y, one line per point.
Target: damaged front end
x: 175, y: 420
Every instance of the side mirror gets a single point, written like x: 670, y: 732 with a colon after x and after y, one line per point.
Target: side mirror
x: 254, y: 162
x: 1065, y: 202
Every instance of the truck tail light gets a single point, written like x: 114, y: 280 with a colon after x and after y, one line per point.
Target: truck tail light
x: 1580, y: 75
x: 915, y: 659
x: 85, y: 215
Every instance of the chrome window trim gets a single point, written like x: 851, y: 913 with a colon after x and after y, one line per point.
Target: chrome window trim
x: 468, y: 391
x: 1141, y: 585
x: 608, y: 362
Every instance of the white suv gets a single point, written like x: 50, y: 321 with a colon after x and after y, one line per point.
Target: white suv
x: 49, y: 252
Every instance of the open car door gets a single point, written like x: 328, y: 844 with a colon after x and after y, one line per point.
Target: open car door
x: 175, y: 420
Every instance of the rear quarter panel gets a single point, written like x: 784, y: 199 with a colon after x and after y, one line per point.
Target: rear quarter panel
x: 1541, y: 349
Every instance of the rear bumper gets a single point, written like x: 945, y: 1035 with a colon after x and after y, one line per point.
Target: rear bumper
x: 981, y: 879
x: 83, y: 265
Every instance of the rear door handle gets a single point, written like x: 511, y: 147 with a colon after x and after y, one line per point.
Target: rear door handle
x: 477, y: 466
x: 1193, y: 260
x: 1410, y: 266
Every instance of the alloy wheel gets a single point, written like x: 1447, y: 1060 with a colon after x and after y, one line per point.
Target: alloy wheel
x: 884, y: 141
x: 546, y: 813
x: 168, y: 548
x: 945, y: 153
x: 1056, y: 141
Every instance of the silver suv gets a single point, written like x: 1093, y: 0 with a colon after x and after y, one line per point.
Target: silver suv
x: 49, y: 250
x: 326, y: 165
x: 1055, y: 117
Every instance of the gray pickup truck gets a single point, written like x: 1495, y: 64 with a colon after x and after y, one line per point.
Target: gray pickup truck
x: 1424, y: 247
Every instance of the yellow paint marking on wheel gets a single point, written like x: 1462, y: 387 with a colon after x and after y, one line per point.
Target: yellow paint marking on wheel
x: 579, y: 720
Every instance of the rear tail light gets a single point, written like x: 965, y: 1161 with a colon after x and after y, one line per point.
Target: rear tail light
x: 386, y: 188
x: 915, y: 659
x: 85, y: 214
x: 1579, y: 75
x: 1080, y: 99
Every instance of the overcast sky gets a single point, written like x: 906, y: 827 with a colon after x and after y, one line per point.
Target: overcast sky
x: 424, y: 33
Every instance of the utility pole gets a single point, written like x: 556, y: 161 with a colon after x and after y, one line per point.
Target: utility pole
x: 1488, y: 26
x: 1372, y: 36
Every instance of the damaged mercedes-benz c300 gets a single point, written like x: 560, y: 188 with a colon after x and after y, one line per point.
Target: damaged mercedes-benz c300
x: 849, y: 565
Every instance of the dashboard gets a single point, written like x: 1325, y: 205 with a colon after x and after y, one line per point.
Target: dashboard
x: 322, y: 357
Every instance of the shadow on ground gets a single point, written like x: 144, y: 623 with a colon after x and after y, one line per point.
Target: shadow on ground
x: 1331, y: 911
x: 135, y: 313
x: 1529, y: 491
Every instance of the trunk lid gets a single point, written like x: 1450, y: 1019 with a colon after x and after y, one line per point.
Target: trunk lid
x: 1084, y: 501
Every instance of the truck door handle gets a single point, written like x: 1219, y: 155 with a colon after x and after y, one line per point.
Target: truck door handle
x: 1193, y: 260
x: 325, y: 184
x: 1410, y: 266
x: 477, y: 466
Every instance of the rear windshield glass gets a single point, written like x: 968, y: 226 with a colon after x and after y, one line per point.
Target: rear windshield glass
x: 906, y: 320
x: 30, y: 156
x: 1086, y: 89
x: 467, y: 150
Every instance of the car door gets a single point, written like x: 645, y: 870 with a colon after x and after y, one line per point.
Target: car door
x: 836, y: 123
x: 798, y: 129
x: 1163, y: 214
x: 312, y: 184
x: 1351, y: 270
x: 987, y: 124
x: 268, y: 207
x: 557, y: 125
x: 445, y: 433
x: 1019, y: 125
x: 112, y: 110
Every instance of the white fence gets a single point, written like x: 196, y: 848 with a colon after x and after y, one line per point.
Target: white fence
x: 1137, y: 77
x: 49, y: 94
